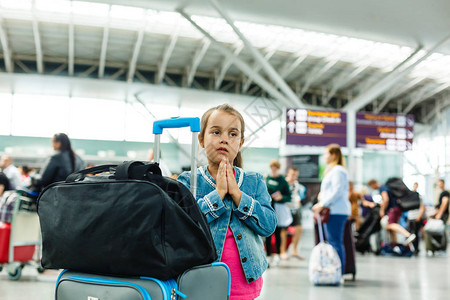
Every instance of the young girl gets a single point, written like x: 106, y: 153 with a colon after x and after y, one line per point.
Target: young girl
x: 236, y: 203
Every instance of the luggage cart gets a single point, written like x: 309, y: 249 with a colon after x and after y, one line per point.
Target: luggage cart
x: 20, y: 240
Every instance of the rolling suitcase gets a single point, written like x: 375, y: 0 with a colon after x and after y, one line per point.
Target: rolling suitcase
x: 349, y: 244
x: 350, y: 250
x: 435, y: 236
x: 211, y: 281
x: 324, y: 263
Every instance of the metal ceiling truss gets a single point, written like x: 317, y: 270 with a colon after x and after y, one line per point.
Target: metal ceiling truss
x: 315, y: 74
x: 425, y: 94
x: 71, y: 54
x: 239, y: 63
x: 270, y: 71
x: 166, y: 55
x: 226, y: 64
x: 387, y: 93
x: 134, y: 57
x: 397, y: 92
x: 196, y: 60
x: 257, y: 67
x: 344, y: 80
x: 290, y: 65
x: 392, y: 78
x: 102, y: 60
x: 6, y: 49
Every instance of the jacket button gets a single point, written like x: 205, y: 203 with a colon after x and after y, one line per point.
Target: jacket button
x: 239, y: 236
x: 244, y: 259
x: 246, y: 209
x: 215, y: 205
x: 251, y: 279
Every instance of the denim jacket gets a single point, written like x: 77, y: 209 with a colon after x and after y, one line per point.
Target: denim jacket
x: 252, y: 219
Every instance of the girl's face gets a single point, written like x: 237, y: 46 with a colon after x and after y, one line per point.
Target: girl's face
x: 329, y: 158
x: 56, y: 145
x: 222, y: 137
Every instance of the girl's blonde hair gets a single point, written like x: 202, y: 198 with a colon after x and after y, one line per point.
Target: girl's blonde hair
x: 228, y: 109
x: 338, y: 157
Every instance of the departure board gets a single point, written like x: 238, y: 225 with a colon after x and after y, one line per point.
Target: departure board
x: 315, y: 128
x: 384, y: 132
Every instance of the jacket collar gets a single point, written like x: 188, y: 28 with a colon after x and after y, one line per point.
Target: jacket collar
x: 207, y: 176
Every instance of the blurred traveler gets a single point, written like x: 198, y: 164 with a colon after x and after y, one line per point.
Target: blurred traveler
x: 390, y: 208
x: 62, y: 163
x: 416, y: 220
x: 334, y: 195
x: 356, y: 199
x: 278, y: 189
x: 25, y: 178
x: 441, y: 208
x: 13, y: 174
x: 298, y: 193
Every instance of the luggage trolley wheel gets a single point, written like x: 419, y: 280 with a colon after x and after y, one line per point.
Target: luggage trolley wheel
x: 40, y: 269
x: 17, y: 273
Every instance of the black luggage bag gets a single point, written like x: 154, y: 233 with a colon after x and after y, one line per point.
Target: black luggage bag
x: 370, y: 225
x: 406, y: 199
x: 128, y: 221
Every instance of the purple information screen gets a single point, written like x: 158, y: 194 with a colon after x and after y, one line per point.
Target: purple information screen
x: 384, y: 132
x: 315, y: 128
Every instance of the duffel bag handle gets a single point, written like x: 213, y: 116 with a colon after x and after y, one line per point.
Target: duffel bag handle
x: 136, y: 170
x: 80, y: 175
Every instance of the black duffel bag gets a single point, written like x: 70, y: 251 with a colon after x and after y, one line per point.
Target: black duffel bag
x: 406, y: 199
x: 129, y: 221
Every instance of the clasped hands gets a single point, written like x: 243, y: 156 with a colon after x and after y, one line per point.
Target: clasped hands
x: 226, y: 182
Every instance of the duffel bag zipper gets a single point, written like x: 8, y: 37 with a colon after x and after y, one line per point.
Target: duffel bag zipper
x: 99, y: 281
x: 169, y: 288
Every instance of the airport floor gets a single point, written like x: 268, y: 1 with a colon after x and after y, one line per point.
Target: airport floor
x: 422, y: 277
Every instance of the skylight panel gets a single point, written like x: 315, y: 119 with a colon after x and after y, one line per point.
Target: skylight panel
x: 90, y: 9
x: 127, y: 12
x: 16, y: 4
x: 60, y: 6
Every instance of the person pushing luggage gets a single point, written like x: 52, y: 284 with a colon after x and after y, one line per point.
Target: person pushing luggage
x: 236, y: 203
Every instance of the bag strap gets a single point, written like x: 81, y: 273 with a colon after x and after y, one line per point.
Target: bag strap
x: 80, y: 175
x: 136, y: 170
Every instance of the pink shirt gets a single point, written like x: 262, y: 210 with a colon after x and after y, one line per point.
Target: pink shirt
x: 240, y: 289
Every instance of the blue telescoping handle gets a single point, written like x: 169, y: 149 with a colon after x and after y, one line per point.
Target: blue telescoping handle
x: 176, y: 122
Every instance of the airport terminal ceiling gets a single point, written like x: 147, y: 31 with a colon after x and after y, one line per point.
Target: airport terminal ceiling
x: 378, y: 57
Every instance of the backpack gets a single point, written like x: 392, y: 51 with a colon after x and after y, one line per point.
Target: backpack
x: 406, y: 199
x: 128, y: 221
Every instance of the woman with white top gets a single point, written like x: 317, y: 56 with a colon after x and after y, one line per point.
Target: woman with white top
x: 334, y: 195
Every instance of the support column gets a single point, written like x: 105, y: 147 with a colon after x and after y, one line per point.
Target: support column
x: 351, y: 143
